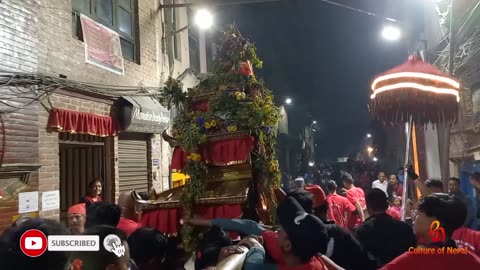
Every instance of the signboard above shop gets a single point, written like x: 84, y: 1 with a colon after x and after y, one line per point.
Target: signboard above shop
x: 142, y: 114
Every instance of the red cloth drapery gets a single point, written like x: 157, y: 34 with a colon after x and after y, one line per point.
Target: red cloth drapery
x: 200, y: 105
x: 79, y: 122
x: 179, y: 159
x: 227, y: 151
x: 167, y: 220
x: 224, y: 152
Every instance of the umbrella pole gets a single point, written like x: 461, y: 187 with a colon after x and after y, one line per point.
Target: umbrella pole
x: 409, y: 126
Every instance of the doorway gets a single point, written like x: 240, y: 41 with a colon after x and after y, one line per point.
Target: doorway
x: 82, y: 158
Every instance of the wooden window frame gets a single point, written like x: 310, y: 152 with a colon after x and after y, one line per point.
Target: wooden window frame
x: 134, y: 38
x: 176, y: 39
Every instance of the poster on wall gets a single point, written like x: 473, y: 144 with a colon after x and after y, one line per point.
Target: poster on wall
x: 27, y: 202
x: 476, y: 106
x: 50, y: 200
x: 154, y: 148
x: 102, y: 46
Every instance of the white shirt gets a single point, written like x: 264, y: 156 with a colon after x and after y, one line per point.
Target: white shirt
x: 383, y: 186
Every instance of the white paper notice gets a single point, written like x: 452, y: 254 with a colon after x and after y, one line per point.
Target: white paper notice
x: 27, y: 202
x: 50, y: 200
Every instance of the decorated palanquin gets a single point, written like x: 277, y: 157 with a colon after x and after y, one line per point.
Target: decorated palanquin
x: 224, y: 140
x: 229, y: 173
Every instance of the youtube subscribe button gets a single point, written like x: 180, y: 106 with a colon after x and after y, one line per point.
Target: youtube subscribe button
x: 33, y: 243
x: 73, y: 243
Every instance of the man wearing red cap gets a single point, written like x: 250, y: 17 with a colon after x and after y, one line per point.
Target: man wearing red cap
x: 318, y: 194
x: 76, y: 218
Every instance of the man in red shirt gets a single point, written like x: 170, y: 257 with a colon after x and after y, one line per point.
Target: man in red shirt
x: 301, y: 237
x: 361, y: 195
x: 356, y: 196
x: 127, y: 222
x: 450, y: 213
x: 339, y: 206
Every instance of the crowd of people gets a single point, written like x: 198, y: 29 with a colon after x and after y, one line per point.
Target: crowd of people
x: 339, y: 226
x: 347, y: 228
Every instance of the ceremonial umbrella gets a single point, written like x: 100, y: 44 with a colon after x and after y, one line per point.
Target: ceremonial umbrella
x: 414, y: 91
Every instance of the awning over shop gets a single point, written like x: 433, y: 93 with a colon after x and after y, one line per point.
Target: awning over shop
x: 82, y: 123
x: 142, y: 114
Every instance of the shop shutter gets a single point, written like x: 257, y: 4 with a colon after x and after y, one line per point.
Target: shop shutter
x: 133, y: 165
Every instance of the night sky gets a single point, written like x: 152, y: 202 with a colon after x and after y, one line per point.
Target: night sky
x: 324, y: 58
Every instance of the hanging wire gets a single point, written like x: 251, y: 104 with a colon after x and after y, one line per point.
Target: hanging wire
x: 359, y: 10
x: 36, y: 87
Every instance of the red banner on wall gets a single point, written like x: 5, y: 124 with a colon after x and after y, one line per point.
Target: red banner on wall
x: 102, y: 46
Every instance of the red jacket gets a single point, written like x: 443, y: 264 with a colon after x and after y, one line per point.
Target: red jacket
x: 337, y: 206
x: 355, y: 195
x: 270, y: 242
x: 408, y: 261
x: 128, y: 226
x: 467, y: 238
x: 318, y: 194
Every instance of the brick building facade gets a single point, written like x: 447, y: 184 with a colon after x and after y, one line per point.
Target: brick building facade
x: 37, y: 36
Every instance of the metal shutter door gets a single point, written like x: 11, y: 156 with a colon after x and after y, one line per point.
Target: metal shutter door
x: 133, y: 165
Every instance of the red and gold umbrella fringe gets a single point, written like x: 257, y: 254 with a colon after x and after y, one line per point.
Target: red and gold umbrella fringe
x: 426, y: 107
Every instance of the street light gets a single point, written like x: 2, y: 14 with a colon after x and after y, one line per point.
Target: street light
x: 288, y: 101
x: 369, y: 135
x: 204, y: 19
x: 375, y: 159
x: 311, y: 163
x: 369, y: 150
x: 391, y: 33
x: 314, y: 122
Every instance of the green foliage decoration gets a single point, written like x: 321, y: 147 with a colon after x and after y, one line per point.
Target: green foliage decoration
x: 236, y: 102
x: 172, y: 94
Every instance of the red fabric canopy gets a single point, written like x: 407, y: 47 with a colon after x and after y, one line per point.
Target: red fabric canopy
x: 167, y: 220
x: 179, y: 159
x: 227, y: 152
x: 416, y: 64
x: 79, y: 122
x: 223, y: 152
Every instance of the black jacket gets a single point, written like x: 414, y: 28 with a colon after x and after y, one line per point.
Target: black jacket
x: 385, y: 238
x: 347, y: 251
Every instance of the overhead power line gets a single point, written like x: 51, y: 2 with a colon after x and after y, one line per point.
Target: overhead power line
x: 359, y: 10
x: 242, y: 2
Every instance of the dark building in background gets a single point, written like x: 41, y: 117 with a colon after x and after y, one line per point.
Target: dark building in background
x: 464, y: 143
